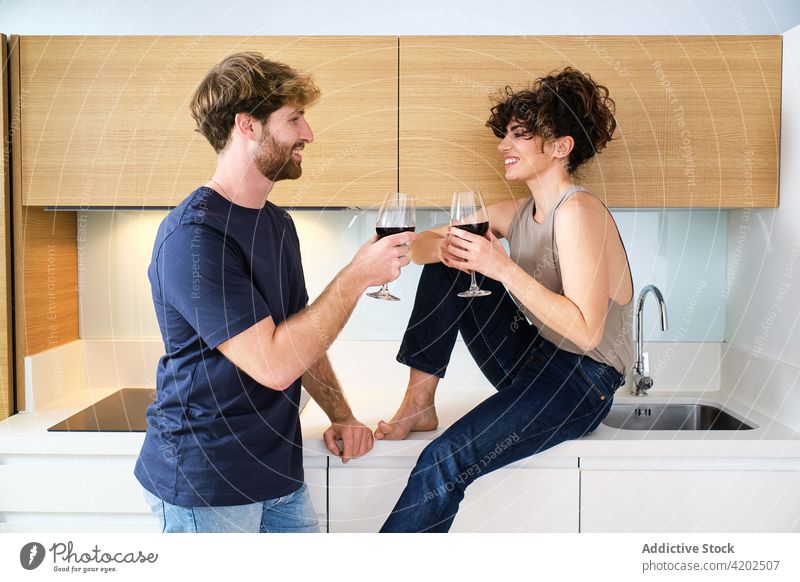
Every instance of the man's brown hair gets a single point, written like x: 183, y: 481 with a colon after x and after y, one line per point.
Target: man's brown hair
x: 246, y: 83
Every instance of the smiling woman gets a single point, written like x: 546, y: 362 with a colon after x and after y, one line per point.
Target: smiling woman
x: 568, y: 273
x: 566, y: 103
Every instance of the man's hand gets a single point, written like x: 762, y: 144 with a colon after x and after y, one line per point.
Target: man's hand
x: 380, y: 261
x: 356, y: 439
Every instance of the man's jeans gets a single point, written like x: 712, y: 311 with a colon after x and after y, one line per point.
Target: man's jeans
x: 545, y: 395
x: 291, y: 513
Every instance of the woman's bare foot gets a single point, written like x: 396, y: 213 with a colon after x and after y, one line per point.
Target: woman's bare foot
x: 414, y: 414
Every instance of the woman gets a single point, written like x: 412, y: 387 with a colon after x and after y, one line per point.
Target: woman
x: 568, y: 273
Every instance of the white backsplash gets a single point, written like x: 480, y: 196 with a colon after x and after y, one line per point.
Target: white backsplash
x: 360, y: 365
x: 54, y: 374
x: 681, y: 251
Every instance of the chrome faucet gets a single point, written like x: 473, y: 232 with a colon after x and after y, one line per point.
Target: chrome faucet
x: 642, y: 382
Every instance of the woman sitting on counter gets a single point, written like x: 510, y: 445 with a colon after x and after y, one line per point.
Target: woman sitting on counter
x: 568, y: 273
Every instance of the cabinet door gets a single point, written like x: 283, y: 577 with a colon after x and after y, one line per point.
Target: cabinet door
x: 79, y: 493
x: 690, y: 501
x: 521, y: 500
x: 317, y: 483
x: 92, y: 493
x: 507, y: 500
x: 359, y: 500
x: 6, y: 374
x: 698, y: 118
x: 105, y: 120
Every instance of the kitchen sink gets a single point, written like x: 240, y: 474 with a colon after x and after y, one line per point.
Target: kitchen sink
x: 673, y: 417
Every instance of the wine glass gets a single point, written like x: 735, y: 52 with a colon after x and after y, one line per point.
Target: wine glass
x: 397, y: 214
x: 468, y: 212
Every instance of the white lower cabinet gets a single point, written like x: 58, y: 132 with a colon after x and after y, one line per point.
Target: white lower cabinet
x: 521, y: 500
x: 360, y: 498
x: 529, y: 497
x: 317, y: 482
x: 682, y: 496
x: 96, y: 493
x: 80, y: 493
x: 93, y: 493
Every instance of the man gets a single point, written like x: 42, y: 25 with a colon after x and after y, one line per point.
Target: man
x: 223, y: 449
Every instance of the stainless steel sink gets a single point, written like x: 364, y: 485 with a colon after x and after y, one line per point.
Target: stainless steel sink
x: 673, y: 417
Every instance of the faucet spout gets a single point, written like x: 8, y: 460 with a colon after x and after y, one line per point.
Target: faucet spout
x: 642, y: 381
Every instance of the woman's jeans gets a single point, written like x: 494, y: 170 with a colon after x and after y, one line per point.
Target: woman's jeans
x: 545, y: 395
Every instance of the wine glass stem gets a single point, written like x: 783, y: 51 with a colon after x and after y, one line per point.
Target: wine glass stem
x: 474, y: 284
x: 385, y: 288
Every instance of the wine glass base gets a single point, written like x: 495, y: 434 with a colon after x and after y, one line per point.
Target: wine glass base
x: 474, y: 293
x: 383, y: 294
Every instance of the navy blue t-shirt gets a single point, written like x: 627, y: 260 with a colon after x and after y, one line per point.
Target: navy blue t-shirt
x: 215, y: 436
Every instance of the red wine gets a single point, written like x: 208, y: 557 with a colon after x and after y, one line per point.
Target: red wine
x: 480, y: 228
x: 390, y: 230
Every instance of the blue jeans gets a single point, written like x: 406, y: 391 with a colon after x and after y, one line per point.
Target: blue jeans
x: 291, y: 513
x: 545, y: 395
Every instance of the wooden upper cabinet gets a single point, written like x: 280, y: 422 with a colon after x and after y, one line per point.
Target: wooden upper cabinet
x: 698, y: 118
x: 6, y: 361
x: 105, y: 120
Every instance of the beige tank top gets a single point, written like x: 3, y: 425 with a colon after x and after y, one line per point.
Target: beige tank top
x: 533, y: 247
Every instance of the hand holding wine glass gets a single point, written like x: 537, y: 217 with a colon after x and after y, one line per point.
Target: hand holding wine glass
x: 397, y: 214
x: 468, y: 212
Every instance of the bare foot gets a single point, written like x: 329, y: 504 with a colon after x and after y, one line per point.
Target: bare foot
x: 413, y: 415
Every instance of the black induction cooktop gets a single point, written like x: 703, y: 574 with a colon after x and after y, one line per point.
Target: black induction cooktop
x: 122, y: 411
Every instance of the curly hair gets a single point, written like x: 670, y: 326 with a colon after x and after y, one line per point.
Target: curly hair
x: 246, y: 83
x: 562, y: 103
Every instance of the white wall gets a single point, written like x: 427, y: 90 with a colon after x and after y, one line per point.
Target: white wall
x: 406, y: 17
x: 762, y: 363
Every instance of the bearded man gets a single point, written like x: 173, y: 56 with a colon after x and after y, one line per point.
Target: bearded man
x: 223, y: 449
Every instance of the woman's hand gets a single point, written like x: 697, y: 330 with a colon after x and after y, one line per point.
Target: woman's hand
x: 467, y: 252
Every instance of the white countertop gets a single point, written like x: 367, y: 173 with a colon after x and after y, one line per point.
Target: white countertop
x: 26, y: 433
x: 768, y: 440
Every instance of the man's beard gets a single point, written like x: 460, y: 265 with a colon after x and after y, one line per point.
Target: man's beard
x: 274, y: 160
